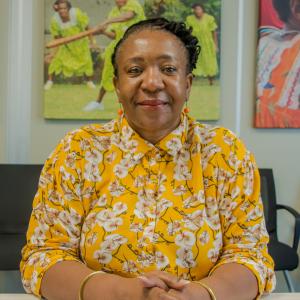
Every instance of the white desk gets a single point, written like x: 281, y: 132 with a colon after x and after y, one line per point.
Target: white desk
x: 279, y: 296
x: 17, y: 297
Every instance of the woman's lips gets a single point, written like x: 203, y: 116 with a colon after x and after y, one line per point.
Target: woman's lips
x: 152, y: 103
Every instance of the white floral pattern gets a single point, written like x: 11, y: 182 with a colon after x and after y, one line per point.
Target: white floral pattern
x: 112, y: 200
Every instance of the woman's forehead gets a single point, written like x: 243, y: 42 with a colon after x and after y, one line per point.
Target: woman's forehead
x: 152, y: 41
x: 62, y: 5
x: 152, y: 33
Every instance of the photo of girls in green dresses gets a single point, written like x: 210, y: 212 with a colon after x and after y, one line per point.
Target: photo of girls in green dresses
x: 80, y: 36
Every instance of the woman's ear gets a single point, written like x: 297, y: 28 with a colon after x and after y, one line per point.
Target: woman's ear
x: 116, y: 85
x: 189, y: 81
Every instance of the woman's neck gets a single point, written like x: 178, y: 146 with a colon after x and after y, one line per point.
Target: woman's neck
x: 155, y: 136
x: 65, y: 20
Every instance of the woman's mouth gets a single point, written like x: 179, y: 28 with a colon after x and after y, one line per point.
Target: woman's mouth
x: 152, y: 103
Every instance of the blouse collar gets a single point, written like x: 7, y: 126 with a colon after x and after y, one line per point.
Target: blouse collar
x: 171, y: 144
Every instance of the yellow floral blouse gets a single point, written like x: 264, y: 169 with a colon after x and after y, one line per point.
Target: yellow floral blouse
x: 112, y: 200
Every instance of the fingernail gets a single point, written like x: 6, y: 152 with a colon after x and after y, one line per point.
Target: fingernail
x: 143, y: 278
x: 183, y: 281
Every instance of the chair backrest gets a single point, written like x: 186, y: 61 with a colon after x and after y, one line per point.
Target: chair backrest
x: 18, y: 185
x: 269, y: 200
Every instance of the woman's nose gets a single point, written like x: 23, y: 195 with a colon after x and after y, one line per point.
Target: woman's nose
x: 152, y: 80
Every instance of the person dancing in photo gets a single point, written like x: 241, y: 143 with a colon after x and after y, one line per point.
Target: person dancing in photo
x: 204, y: 29
x: 123, y: 15
x: 72, y: 59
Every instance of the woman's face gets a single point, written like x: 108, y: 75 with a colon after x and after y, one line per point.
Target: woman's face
x: 63, y: 11
x: 152, y: 82
x: 295, y: 14
x: 120, y: 3
x: 198, y: 11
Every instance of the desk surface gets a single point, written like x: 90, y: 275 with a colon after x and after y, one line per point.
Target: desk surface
x: 279, y: 296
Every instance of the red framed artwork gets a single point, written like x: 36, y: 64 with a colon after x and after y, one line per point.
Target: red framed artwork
x: 278, y: 65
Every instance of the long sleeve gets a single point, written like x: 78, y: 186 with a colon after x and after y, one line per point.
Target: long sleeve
x: 245, y: 236
x: 55, y: 224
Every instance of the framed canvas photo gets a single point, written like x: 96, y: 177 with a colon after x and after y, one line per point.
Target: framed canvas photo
x: 278, y: 65
x: 78, y: 48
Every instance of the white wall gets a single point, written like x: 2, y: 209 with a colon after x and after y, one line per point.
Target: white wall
x: 3, y: 79
x: 275, y: 148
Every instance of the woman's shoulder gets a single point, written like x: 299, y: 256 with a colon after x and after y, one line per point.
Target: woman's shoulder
x: 90, y: 132
x: 190, y: 18
x: 221, y: 145
x: 208, y: 16
x: 222, y: 138
x: 218, y: 131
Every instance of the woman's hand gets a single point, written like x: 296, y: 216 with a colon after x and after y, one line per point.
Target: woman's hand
x: 191, y: 291
x: 163, y: 280
x: 156, y: 293
x: 165, y: 286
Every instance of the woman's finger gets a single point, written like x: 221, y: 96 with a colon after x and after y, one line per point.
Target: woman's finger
x: 176, y: 284
x: 152, y: 281
x: 170, y: 280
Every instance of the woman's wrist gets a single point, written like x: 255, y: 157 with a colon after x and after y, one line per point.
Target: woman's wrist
x: 195, y: 291
x: 87, y: 286
x: 102, y: 286
x: 208, y: 289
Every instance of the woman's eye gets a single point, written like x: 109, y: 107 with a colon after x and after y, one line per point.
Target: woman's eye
x: 169, y: 69
x: 134, y: 70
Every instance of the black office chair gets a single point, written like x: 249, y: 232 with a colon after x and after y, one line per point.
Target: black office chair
x: 18, y: 185
x: 285, y: 257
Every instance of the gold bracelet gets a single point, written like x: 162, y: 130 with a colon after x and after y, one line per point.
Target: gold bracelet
x: 209, y: 290
x: 84, y: 282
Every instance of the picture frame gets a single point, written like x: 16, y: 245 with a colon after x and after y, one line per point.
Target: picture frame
x: 69, y: 92
x: 278, y: 66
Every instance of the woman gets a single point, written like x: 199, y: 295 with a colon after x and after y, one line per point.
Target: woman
x: 166, y: 207
x: 204, y: 29
x: 123, y: 15
x: 72, y: 59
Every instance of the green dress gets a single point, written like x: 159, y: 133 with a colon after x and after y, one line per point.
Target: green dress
x: 118, y: 29
x: 203, y: 30
x: 72, y: 59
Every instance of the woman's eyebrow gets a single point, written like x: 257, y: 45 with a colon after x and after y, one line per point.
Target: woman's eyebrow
x: 135, y: 59
x: 139, y: 59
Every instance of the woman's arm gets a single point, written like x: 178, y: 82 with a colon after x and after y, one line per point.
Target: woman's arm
x: 229, y: 282
x: 110, y: 34
x: 122, y: 18
x: 63, y: 280
x: 51, y: 263
x: 215, y: 37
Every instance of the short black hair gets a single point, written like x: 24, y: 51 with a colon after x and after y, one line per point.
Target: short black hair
x: 198, y: 4
x: 178, y: 29
x: 283, y: 9
x: 69, y: 5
